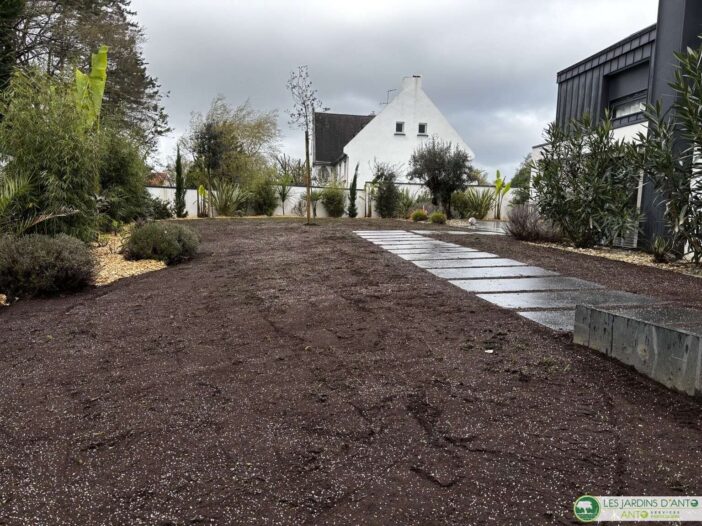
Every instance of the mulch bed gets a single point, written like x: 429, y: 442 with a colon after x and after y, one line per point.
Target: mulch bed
x: 297, y: 375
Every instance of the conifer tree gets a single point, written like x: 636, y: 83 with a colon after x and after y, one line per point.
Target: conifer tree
x: 180, y: 187
x: 353, y: 211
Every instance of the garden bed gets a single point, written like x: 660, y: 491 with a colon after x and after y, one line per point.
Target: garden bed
x: 303, y: 375
x: 112, y: 266
x: 630, y: 256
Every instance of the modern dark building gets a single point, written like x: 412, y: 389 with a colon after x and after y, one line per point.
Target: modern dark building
x: 623, y: 78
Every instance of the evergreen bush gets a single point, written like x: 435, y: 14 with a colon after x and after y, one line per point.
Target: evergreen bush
x: 387, y: 194
x: 264, y: 198
x: 165, y: 241
x: 419, y: 215
x: 438, y: 218
x: 334, y: 200
x: 40, y: 265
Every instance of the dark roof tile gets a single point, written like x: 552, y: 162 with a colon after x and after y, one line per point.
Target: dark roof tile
x: 333, y: 131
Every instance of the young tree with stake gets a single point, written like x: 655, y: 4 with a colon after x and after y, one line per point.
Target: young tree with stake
x: 305, y: 103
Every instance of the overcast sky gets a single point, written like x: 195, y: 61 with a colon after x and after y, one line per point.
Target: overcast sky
x: 489, y: 65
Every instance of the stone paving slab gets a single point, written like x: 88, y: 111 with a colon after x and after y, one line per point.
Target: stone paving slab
x: 424, y: 242
x: 432, y: 250
x: 437, y: 232
x: 401, y: 239
x: 395, y: 236
x: 538, y: 294
x: 524, y: 284
x: 558, y: 320
x: 565, y: 299
x: 448, y: 255
x: 409, y: 244
x: 462, y: 261
x: 491, y: 272
x: 414, y: 245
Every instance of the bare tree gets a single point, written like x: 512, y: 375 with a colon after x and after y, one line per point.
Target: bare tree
x: 305, y: 103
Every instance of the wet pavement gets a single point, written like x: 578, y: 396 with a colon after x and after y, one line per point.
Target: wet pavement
x: 537, y: 294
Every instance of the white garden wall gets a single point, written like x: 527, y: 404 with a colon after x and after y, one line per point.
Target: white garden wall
x: 166, y: 193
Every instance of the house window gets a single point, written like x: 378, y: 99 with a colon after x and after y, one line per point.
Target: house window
x: 422, y: 129
x: 399, y: 128
x: 627, y: 106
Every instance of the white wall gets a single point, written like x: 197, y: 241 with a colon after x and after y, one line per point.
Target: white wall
x: 166, y: 193
x: 297, y: 192
x: 378, y: 141
x: 629, y: 133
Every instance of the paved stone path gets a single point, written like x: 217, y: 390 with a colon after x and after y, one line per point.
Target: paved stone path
x: 537, y: 294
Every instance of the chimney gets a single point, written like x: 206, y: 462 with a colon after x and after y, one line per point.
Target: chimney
x: 414, y: 83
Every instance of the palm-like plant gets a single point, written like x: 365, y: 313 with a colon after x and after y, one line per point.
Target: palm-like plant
x: 227, y: 198
x: 501, y: 189
x: 14, y: 217
x: 283, y: 189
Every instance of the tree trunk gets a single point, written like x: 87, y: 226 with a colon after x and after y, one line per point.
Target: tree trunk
x: 308, y: 173
x: 210, y: 212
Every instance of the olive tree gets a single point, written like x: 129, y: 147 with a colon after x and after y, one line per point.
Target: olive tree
x: 443, y: 169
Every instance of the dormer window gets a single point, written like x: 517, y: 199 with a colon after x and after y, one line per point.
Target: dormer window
x: 399, y: 128
x: 422, y: 128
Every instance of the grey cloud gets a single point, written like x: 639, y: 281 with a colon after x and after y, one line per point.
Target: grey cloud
x: 489, y: 65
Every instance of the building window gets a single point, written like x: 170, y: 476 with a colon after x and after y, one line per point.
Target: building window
x: 627, y: 106
x: 399, y: 128
x: 422, y: 129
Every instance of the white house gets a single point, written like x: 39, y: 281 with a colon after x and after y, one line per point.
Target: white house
x: 411, y: 118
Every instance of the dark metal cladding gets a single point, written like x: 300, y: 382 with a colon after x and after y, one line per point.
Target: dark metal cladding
x: 585, y: 87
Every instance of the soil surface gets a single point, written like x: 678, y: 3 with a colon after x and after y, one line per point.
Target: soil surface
x: 301, y: 375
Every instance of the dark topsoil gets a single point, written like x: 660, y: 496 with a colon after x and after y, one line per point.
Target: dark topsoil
x: 301, y: 375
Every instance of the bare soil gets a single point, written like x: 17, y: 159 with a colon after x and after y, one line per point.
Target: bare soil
x: 301, y: 375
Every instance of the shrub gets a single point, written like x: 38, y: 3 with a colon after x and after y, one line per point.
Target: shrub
x: 123, y: 174
x: 168, y: 242
x: 584, y: 183
x: 524, y: 223
x: 264, y: 198
x: 438, y: 218
x: 334, y: 200
x: 660, y: 248
x: 479, y: 203
x: 419, y: 215
x: 405, y: 203
x: 38, y: 265
x: 459, y: 204
x: 387, y: 194
x: 159, y: 209
x: 228, y: 198
x: 47, y: 143
x: 668, y: 153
